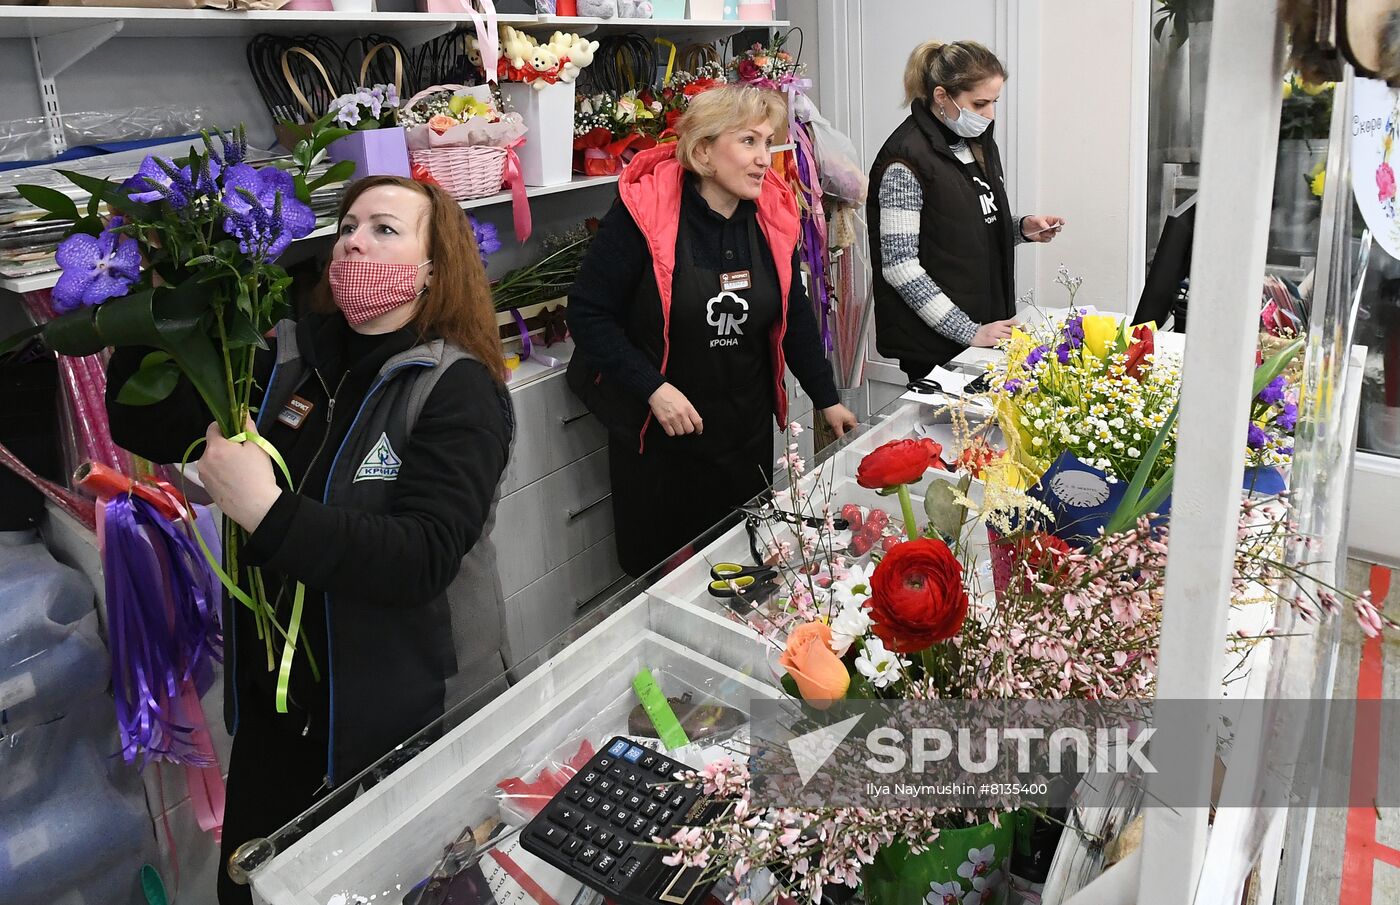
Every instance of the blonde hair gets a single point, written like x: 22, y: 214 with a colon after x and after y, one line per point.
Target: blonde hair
x: 955, y: 67
x: 719, y: 110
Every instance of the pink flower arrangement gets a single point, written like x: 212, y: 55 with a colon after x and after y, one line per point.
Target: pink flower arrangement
x: 1385, y: 182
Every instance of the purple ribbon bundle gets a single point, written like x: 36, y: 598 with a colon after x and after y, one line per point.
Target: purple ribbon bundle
x: 163, y: 628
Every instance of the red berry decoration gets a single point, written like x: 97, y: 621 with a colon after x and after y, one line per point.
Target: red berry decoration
x: 861, y: 544
x: 851, y: 513
x: 889, y: 543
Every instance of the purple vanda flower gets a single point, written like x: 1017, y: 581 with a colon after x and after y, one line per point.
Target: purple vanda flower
x: 1035, y: 357
x: 1257, y: 438
x: 1288, y: 418
x: 487, y: 237
x: 252, y: 222
x: 95, y: 268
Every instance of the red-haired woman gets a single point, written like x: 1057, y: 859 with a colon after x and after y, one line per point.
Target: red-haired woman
x: 389, y: 407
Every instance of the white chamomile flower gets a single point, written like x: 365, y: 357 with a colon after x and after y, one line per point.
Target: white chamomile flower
x: 851, y: 623
x: 879, y: 665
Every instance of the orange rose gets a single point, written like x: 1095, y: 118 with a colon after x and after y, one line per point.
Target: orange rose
x: 820, y: 675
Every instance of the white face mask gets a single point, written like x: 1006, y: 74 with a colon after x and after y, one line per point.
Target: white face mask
x: 968, y: 124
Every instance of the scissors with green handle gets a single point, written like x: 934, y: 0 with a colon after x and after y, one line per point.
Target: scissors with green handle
x: 730, y: 579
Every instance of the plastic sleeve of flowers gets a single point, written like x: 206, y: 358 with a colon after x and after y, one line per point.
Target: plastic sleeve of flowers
x: 526, y: 347
x: 79, y: 507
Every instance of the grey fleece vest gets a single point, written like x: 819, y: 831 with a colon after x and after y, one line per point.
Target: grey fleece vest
x: 388, y: 682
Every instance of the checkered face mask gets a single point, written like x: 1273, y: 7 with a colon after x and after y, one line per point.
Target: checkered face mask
x: 363, y: 290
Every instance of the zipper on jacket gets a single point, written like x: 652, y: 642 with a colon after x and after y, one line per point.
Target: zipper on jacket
x: 330, y: 421
x: 326, y: 498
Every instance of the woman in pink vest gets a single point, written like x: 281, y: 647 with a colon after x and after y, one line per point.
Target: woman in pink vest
x: 687, y: 312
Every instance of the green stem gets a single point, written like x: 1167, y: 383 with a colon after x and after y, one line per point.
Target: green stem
x: 911, y: 524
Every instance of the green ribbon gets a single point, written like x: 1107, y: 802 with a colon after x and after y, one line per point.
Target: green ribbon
x: 293, y: 630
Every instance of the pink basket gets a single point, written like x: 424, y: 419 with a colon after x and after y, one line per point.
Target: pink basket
x: 468, y: 172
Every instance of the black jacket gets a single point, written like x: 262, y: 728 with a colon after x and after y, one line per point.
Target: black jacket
x: 953, y: 243
x: 614, y: 308
x: 386, y: 643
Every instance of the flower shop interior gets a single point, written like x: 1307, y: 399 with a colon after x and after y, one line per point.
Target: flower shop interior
x: 1056, y: 519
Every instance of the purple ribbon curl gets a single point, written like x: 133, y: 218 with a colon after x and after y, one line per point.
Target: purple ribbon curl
x: 163, y: 627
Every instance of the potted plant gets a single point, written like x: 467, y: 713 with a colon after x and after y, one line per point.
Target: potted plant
x: 376, y: 144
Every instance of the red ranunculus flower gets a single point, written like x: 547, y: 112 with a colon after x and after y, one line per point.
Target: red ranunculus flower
x: 1139, y: 350
x: 917, y: 596
x: 898, y: 462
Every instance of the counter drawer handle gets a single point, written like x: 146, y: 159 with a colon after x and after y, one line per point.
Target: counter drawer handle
x: 572, y: 418
x: 575, y: 513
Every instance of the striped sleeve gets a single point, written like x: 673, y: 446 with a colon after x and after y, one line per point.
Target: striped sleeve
x: 901, y: 199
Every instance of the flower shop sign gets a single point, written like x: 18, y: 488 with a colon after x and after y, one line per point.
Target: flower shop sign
x: 1375, y: 130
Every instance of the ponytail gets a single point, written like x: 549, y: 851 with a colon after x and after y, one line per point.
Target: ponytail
x: 956, y: 67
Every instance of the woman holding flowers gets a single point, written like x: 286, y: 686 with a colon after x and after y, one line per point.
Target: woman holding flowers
x: 941, y: 231
x: 387, y: 404
x: 686, y: 313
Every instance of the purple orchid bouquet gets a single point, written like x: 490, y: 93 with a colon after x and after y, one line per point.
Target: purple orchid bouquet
x: 185, y: 266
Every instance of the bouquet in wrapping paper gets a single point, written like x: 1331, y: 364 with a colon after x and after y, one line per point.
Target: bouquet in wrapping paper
x: 609, y: 128
x: 187, y: 268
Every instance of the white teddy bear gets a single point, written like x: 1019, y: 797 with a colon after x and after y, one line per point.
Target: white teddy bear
x: 543, y: 59
x: 578, y: 57
x: 516, y: 46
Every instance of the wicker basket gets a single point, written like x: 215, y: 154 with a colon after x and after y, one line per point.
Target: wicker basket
x: 464, y: 172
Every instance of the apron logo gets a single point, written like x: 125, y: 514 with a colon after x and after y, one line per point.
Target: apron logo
x: 988, y: 199
x: 382, y: 463
x: 725, y: 312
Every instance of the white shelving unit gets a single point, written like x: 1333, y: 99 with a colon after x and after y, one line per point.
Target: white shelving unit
x: 48, y: 21
x: 60, y: 36
x: 46, y: 280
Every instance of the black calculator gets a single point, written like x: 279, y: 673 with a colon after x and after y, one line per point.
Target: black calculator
x: 599, y: 828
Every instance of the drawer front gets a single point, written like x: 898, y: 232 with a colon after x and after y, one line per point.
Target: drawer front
x: 542, y: 526
x: 553, y: 429
x: 548, y: 606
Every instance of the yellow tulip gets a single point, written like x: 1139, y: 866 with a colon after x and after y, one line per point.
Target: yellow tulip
x: 1287, y: 88
x: 1318, y: 183
x: 1100, y: 330
x: 1314, y: 90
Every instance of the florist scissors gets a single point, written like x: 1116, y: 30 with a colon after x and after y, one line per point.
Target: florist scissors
x: 730, y: 579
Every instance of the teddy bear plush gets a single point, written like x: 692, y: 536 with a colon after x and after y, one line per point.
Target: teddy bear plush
x: 634, y: 9
x: 597, y: 9
x: 579, y: 55
x: 517, y: 47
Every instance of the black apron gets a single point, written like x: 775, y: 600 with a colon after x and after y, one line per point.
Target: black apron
x: 721, y: 359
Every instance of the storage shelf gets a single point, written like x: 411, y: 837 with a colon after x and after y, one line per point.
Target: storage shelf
x: 46, y: 280
x: 39, y: 21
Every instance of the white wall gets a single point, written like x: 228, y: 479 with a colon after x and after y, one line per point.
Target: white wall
x: 1085, y: 133
x: 1071, y: 124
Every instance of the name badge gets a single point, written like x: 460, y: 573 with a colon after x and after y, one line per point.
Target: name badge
x: 294, y: 413
x: 732, y: 282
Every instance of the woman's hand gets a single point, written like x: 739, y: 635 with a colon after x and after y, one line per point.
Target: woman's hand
x: 238, y: 477
x: 988, y: 335
x: 839, y: 418
x: 1041, y: 228
x: 675, y: 413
